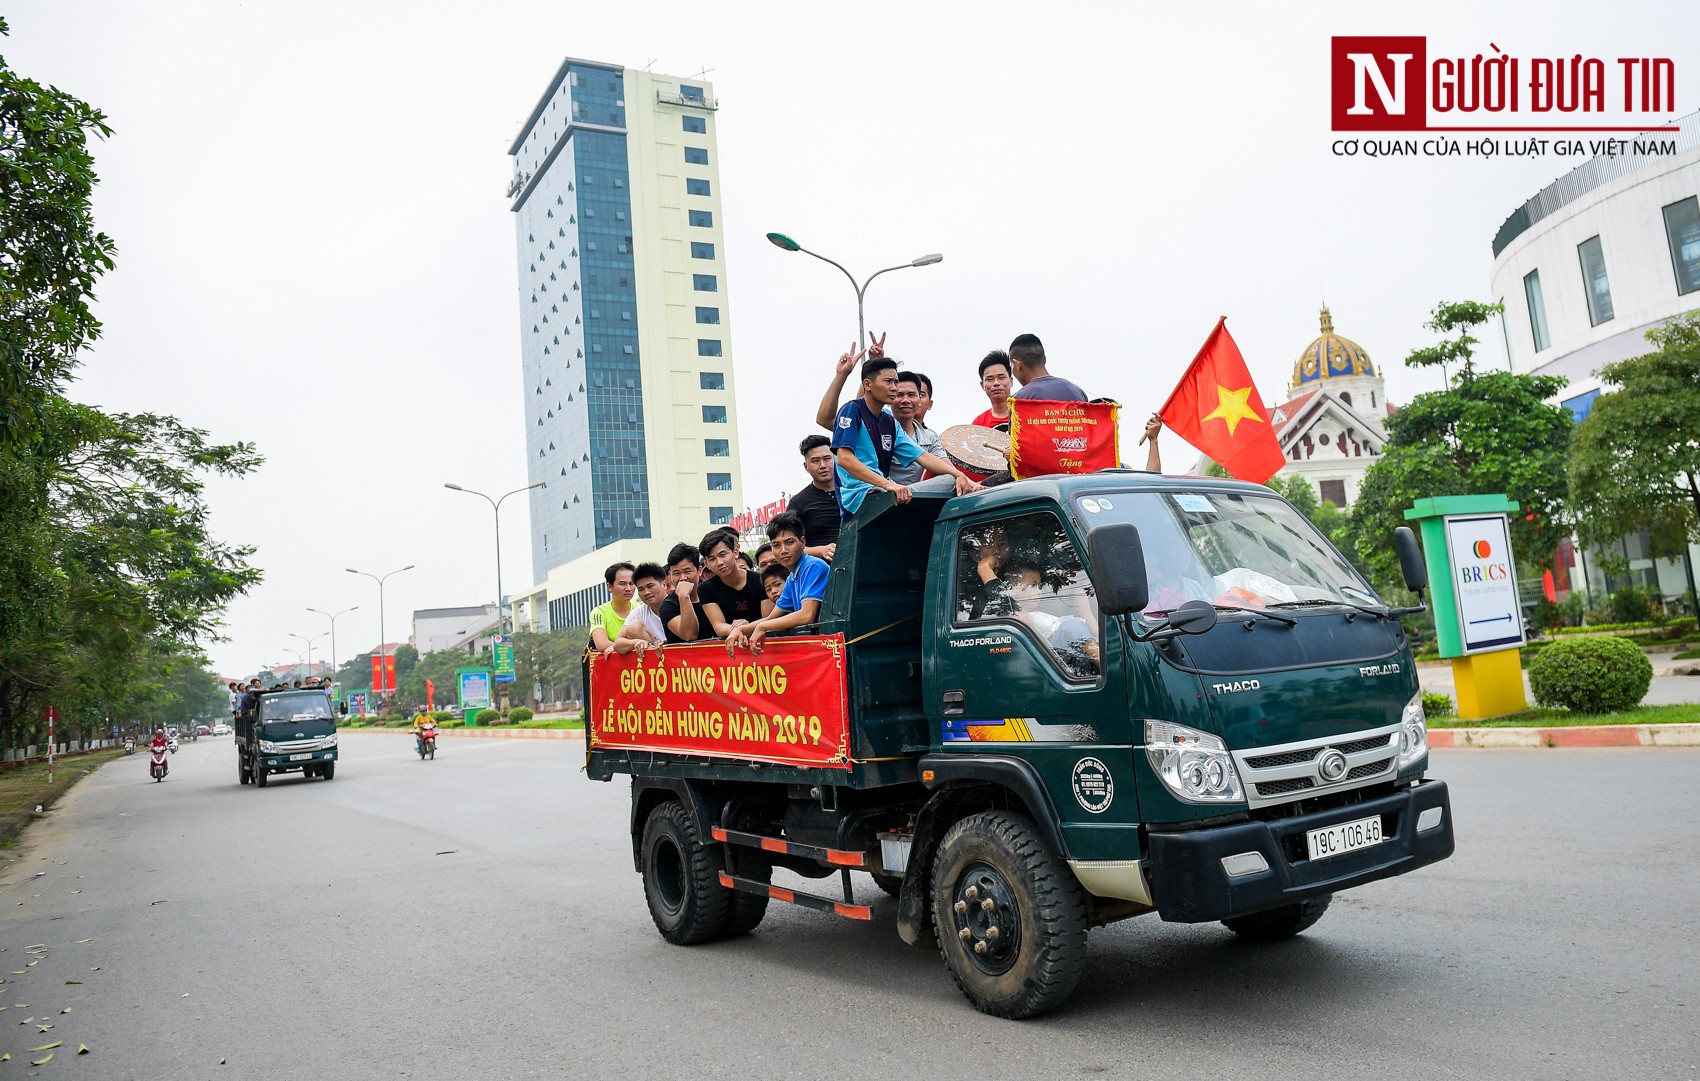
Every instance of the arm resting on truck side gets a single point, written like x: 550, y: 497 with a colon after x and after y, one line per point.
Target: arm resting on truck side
x: 753, y: 636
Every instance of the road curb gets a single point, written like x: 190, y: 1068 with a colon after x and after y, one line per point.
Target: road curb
x: 1606, y: 735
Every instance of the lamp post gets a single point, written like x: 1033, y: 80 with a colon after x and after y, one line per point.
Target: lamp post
x: 496, y: 505
x: 383, y: 637
x: 785, y: 243
x: 309, y: 642
x: 332, y: 617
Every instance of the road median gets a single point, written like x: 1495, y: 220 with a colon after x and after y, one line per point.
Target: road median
x: 1601, y: 735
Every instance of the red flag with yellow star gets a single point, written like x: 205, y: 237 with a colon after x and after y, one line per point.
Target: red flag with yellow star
x: 1217, y: 409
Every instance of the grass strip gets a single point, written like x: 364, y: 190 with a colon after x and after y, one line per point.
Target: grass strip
x: 1684, y: 713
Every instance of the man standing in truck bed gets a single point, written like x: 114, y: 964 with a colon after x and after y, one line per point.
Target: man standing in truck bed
x: 869, y: 443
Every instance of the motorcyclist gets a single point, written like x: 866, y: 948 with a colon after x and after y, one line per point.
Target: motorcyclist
x: 422, y: 723
x: 160, y: 743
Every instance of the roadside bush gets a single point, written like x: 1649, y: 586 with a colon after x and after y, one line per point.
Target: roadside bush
x: 1682, y: 628
x: 1591, y: 675
x: 487, y: 716
x: 1436, y: 704
x: 398, y: 722
x: 1631, y: 605
x: 442, y: 716
x: 519, y: 715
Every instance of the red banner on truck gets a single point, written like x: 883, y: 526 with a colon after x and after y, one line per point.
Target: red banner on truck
x: 787, y: 706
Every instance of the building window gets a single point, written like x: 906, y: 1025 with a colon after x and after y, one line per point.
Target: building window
x: 702, y: 218
x: 696, y: 186
x: 708, y: 347
x: 719, y: 515
x: 720, y: 482
x: 1537, y: 308
x: 700, y: 250
x: 708, y: 315
x: 696, y: 124
x: 696, y: 155
x: 705, y: 283
x: 1594, y: 281
x: 1333, y: 491
x: 711, y: 381
x: 714, y: 414
x: 692, y: 92
x: 717, y: 448
x: 1682, y: 231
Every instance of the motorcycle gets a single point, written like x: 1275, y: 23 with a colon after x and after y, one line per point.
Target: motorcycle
x: 129, y: 744
x: 426, y: 743
x: 171, y: 745
x: 158, y: 768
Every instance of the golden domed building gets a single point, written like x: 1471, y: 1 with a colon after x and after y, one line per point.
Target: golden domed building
x: 1332, y: 427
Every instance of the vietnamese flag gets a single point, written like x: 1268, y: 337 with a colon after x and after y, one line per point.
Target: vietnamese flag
x: 1217, y: 409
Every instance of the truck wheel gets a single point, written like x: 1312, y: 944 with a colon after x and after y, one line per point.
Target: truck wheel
x: 680, y: 881
x: 1278, y: 923
x: 1010, y: 917
x: 241, y: 772
x: 746, y: 910
x: 328, y: 770
x: 891, y: 884
x: 260, y: 776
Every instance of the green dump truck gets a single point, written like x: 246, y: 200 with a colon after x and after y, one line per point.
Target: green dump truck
x: 283, y: 732
x: 1032, y: 711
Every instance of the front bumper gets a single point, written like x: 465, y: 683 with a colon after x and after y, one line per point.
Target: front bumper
x: 1189, y: 884
x: 283, y: 761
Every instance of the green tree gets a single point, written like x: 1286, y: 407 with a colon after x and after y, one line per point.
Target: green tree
x: 550, y: 659
x: 1635, y: 462
x: 52, y: 253
x: 1486, y: 432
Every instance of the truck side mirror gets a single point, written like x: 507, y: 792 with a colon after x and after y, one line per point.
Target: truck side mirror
x: 1410, y: 560
x: 1118, y: 568
x: 1193, y: 617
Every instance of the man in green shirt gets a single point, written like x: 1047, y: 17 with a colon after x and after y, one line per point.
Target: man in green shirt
x: 607, y: 619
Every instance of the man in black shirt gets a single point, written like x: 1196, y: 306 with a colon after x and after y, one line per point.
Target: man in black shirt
x: 681, y: 613
x: 817, y: 504
x: 731, y: 594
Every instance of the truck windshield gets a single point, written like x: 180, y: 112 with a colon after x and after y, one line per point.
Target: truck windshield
x: 1234, y: 549
x: 295, y: 707
x: 302, y: 728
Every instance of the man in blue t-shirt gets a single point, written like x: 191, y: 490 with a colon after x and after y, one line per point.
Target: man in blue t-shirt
x: 805, y: 587
x: 869, y: 442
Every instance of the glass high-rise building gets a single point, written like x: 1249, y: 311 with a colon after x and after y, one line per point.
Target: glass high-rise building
x: 624, y: 325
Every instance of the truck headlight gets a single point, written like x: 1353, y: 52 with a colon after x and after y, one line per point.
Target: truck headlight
x: 330, y: 741
x: 267, y: 747
x: 1413, y: 733
x: 1194, y: 765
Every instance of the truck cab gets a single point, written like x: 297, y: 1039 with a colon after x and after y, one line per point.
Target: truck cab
x: 1072, y: 700
x: 285, y: 731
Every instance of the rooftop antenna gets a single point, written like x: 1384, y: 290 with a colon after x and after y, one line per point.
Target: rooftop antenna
x: 701, y: 73
x: 651, y: 64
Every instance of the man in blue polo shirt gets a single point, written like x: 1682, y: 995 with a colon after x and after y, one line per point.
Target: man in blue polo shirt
x: 805, y: 587
x: 869, y: 442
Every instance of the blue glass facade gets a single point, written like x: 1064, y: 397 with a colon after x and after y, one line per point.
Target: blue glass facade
x: 619, y: 478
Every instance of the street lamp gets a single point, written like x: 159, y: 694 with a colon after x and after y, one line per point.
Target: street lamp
x: 383, y: 637
x: 496, y: 505
x: 785, y: 243
x: 332, y: 617
x: 309, y: 642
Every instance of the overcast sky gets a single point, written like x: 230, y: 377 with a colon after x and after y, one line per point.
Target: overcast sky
x: 315, y: 254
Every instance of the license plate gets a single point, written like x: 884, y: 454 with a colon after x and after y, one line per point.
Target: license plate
x: 299, y: 757
x: 1346, y: 837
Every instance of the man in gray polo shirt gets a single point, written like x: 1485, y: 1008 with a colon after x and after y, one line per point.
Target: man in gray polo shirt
x: 913, y: 389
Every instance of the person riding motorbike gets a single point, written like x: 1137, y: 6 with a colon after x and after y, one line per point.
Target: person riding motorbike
x: 422, y: 723
x: 159, y: 740
x: 158, y: 765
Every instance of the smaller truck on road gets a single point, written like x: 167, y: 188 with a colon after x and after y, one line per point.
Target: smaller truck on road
x: 285, y: 731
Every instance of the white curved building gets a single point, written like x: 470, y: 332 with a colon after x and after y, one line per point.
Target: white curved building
x: 1599, y: 256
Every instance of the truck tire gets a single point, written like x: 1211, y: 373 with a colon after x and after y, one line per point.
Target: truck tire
x: 744, y: 911
x: 1024, y: 953
x: 680, y: 881
x: 260, y: 776
x: 1278, y: 923
x: 891, y: 884
x: 328, y: 770
x: 241, y: 772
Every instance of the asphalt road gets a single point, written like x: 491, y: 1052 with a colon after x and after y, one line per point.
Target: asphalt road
x: 478, y: 916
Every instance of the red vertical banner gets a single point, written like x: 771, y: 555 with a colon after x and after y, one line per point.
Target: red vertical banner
x: 377, y: 673
x: 430, y: 694
x: 389, y: 672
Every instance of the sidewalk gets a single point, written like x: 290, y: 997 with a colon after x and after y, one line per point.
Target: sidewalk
x: 1605, y: 735
x: 501, y: 732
